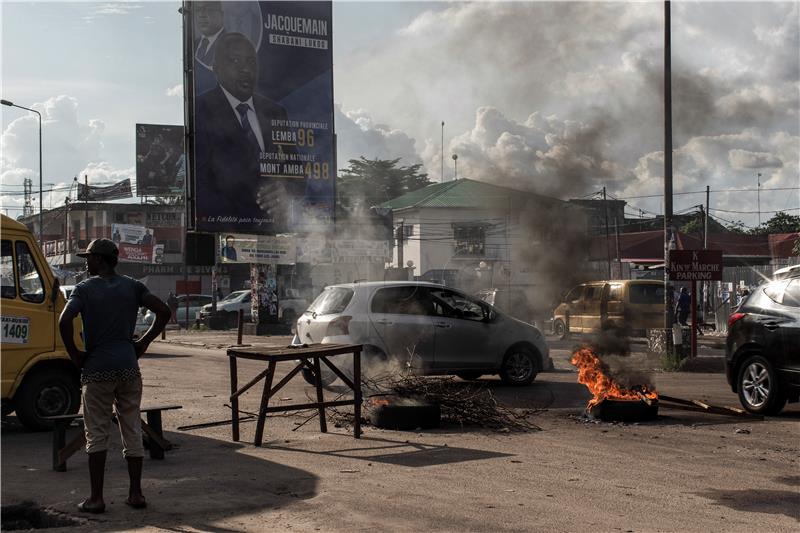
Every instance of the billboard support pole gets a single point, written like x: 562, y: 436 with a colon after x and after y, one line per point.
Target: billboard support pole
x: 669, y: 236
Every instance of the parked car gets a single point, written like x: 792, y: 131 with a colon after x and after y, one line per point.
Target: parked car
x: 792, y: 271
x: 291, y: 306
x: 636, y: 305
x: 230, y: 306
x: 431, y: 328
x: 141, y: 326
x: 762, y: 351
x: 196, y: 301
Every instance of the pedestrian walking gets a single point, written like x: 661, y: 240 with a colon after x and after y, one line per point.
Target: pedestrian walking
x: 172, y: 303
x: 683, y: 307
x: 110, y: 376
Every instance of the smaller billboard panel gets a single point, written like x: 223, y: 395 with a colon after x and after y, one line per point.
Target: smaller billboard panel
x: 160, y: 160
x: 238, y: 248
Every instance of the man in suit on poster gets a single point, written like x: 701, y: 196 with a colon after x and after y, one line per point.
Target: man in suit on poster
x: 209, y: 21
x: 233, y: 128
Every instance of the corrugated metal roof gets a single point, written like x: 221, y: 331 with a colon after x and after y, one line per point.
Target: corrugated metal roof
x: 465, y: 193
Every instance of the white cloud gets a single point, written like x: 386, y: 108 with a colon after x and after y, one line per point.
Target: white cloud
x: 71, y: 146
x: 176, y: 90
x: 358, y: 135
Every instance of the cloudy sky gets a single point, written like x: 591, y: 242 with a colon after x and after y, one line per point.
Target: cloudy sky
x: 560, y: 98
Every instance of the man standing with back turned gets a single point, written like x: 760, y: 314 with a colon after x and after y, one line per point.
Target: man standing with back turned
x: 108, y: 304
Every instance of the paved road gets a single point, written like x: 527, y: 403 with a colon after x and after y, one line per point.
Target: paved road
x: 682, y: 472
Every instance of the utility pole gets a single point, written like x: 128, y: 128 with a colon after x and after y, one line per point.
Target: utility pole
x: 668, y: 229
x: 758, y: 193
x: 608, y: 249
x: 455, y: 166
x: 27, y: 206
x: 86, y: 207
x: 441, y: 175
x: 705, y: 222
x: 400, y: 235
x: 66, y: 229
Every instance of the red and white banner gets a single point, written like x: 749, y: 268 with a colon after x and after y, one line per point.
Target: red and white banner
x: 135, y: 253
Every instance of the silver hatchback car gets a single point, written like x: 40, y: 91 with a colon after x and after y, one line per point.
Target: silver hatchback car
x: 431, y: 328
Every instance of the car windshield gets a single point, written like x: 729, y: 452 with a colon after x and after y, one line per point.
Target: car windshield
x: 332, y: 300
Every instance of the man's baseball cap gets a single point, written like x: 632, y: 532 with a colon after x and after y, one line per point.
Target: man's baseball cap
x: 100, y: 247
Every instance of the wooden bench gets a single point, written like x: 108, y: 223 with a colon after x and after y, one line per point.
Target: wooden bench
x: 152, y: 435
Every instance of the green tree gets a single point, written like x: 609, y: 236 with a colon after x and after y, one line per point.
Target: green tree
x: 695, y: 226
x: 781, y: 223
x: 367, y: 182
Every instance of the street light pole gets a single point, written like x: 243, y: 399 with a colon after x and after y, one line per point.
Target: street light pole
x: 41, y: 194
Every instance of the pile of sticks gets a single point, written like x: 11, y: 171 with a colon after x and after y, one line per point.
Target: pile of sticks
x: 467, y: 404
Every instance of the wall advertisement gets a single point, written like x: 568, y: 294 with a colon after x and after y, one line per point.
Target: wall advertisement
x: 263, y: 116
x: 238, y: 248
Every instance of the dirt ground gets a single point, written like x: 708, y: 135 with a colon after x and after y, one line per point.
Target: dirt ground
x: 682, y: 472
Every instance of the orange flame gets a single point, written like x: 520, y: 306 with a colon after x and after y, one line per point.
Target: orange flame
x: 379, y: 401
x: 591, y: 372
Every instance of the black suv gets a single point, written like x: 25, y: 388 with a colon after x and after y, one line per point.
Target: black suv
x: 762, y: 352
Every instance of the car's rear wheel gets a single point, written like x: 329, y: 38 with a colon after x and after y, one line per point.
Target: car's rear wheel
x: 759, y: 388
x: 520, y: 366
x: 560, y: 329
x: 46, y: 392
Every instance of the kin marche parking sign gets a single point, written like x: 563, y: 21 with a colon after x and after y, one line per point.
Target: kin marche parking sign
x: 695, y: 265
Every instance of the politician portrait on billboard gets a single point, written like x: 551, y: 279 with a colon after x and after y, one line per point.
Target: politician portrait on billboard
x: 160, y: 165
x: 263, y: 116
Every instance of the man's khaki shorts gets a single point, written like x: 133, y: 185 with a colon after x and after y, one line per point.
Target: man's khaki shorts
x: 126, y: 397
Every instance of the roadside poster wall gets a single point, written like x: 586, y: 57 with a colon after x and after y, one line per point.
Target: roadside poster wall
x: 160, y: 160
x: 263, y: 146
x: 320, y: 250
x: 238, y: 248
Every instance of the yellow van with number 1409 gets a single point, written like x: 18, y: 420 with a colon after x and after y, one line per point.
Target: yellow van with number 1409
x: 38, y: 378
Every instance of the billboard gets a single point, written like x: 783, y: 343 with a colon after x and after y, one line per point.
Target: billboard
x: 93, y: 193
x: 131, y: 234
x: 277, y: 250
x: 263, y: 116
x: 160, y: 160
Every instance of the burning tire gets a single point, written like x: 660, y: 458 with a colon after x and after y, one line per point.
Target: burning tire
x: 759, y: 388
x: 560, y: 329
x: 520, y: 366
x: 625, y: 410
x: 469, y: 376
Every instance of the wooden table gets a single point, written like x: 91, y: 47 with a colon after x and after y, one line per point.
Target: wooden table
x: 309, y: 356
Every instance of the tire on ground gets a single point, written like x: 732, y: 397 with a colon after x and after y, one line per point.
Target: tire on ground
x: 49, y: 391
x: 469, y: 376
x: 759, y: 386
